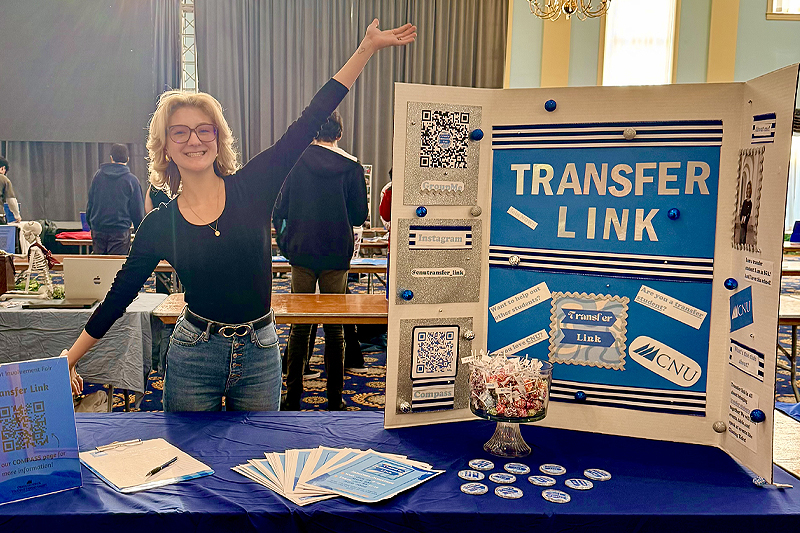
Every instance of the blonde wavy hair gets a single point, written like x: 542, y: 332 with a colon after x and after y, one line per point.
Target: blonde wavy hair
x: 165, y: 174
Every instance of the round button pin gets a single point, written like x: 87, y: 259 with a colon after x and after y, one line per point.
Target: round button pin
x: 596, y: 474
x: 553, y: 470
x: 502, y: 477
x: 474, y: 489
x: 471, y: 475
x: 481, y: 464
x: 517, y: 468
x: 555, y: 496
x: 579, y: 484
x: 508, y: 492
x: 542, y: 481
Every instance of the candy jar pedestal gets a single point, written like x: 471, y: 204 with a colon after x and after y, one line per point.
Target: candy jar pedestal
x: 507, y: 441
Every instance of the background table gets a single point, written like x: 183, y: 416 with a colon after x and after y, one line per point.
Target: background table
x: 305, y: 308
x: 122, y: 358
x: 656, y: 486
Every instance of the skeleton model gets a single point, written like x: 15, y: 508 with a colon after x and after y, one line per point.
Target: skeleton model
x: 39, y: 260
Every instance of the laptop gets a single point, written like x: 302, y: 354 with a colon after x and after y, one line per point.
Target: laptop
x: 8, y: 239
x: 90, y: 277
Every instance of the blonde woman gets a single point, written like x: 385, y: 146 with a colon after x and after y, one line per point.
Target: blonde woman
x: 216, y: 235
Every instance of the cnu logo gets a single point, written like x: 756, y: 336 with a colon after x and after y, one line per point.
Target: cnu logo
x: 741, y: 309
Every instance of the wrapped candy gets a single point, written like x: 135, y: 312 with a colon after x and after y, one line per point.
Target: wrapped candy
x: 509, y: 387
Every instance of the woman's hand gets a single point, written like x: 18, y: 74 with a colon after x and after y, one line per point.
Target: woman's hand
x: 378, y: 39
x: 374, y: 40
x: 75, y: 380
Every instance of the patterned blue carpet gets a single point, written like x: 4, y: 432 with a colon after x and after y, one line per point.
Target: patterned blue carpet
x: 367, y: 391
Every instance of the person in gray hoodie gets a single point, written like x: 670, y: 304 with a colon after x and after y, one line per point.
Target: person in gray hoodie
x: 115, y: 204
x: 323, y: 197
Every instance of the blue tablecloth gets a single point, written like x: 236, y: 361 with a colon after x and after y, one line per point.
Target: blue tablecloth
x: 656, y: 486
x: 791, y: 409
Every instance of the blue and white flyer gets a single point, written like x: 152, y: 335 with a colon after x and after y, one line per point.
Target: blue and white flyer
x: 373, y: 477
x: 38, y: 439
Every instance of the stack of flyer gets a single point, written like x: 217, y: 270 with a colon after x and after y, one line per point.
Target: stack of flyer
x: 310, y: 475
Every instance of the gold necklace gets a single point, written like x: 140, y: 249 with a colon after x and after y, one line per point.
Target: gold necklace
x: 216, y: 222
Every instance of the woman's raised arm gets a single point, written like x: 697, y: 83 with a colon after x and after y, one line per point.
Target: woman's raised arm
x: 374, y: 40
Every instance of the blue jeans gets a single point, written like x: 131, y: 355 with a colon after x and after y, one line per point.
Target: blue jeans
x: 201, y: 368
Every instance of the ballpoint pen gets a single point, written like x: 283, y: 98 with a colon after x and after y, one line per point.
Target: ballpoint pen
x: 160, y: 467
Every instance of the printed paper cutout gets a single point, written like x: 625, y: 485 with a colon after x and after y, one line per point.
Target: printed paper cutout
x: 434, y: 352
x: 521, y: 344
x: 445, y: 272
x: 740, y: 427
x: 671, y: 307
x: 665, y: 361
x: 442, y: 186
x: 747, y: 360
x: 763, y: 129
x: 522, y: 217
x: 519, y: 302
x: 758, y: 270
x: 588, y: 329
x: 741, y: 309
x: 439, y: 237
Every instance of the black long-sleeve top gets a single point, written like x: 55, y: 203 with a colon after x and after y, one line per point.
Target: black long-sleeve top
x: 227, y: 278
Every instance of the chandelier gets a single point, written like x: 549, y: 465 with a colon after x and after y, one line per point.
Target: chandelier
x: 552, y: 9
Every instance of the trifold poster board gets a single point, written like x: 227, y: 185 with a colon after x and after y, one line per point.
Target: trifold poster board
x: 38, y: 438
x: 632, y: 236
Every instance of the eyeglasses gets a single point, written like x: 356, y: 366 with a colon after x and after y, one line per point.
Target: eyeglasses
x: 180, y: 134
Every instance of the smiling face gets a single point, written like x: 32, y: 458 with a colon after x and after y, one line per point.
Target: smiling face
x: 193, y: 156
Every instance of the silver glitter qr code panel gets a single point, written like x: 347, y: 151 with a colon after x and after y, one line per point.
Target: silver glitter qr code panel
x: 430, y: 289
x: 441, y: 159
x: 404, y: 383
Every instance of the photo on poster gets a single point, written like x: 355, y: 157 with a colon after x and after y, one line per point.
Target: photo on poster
x: 748, y: 199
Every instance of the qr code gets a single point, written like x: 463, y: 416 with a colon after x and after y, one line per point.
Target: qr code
x: 23, y: 426
x: 444, y: 140
x: 435, y: 351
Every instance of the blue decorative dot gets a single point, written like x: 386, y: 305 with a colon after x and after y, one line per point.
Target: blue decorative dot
x: 674, y: 213
x: 407, y: 294
x: 422, y: 211
x: 757, y: 416
x: 476, y: 134
x: 731, y: 284
x: 550, y: 105
x: 580, y: 396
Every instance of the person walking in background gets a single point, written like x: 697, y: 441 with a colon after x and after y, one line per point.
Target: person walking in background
x: 324, y: 196
x: 115, y: 203
x: 7, y: 193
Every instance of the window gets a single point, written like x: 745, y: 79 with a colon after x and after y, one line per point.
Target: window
x: 783, y: 9
x: 639, y: 42
x: 188, y: 48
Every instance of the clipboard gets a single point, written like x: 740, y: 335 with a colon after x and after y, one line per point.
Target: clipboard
x: 124, y: 465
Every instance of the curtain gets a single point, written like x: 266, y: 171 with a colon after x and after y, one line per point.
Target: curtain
x: 52, y: 179
x: 264, y: 60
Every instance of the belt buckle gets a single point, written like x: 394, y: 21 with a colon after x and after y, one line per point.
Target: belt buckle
x: 230, y: 331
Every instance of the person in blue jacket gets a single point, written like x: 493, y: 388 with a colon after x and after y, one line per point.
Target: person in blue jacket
x: 115, y: 204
